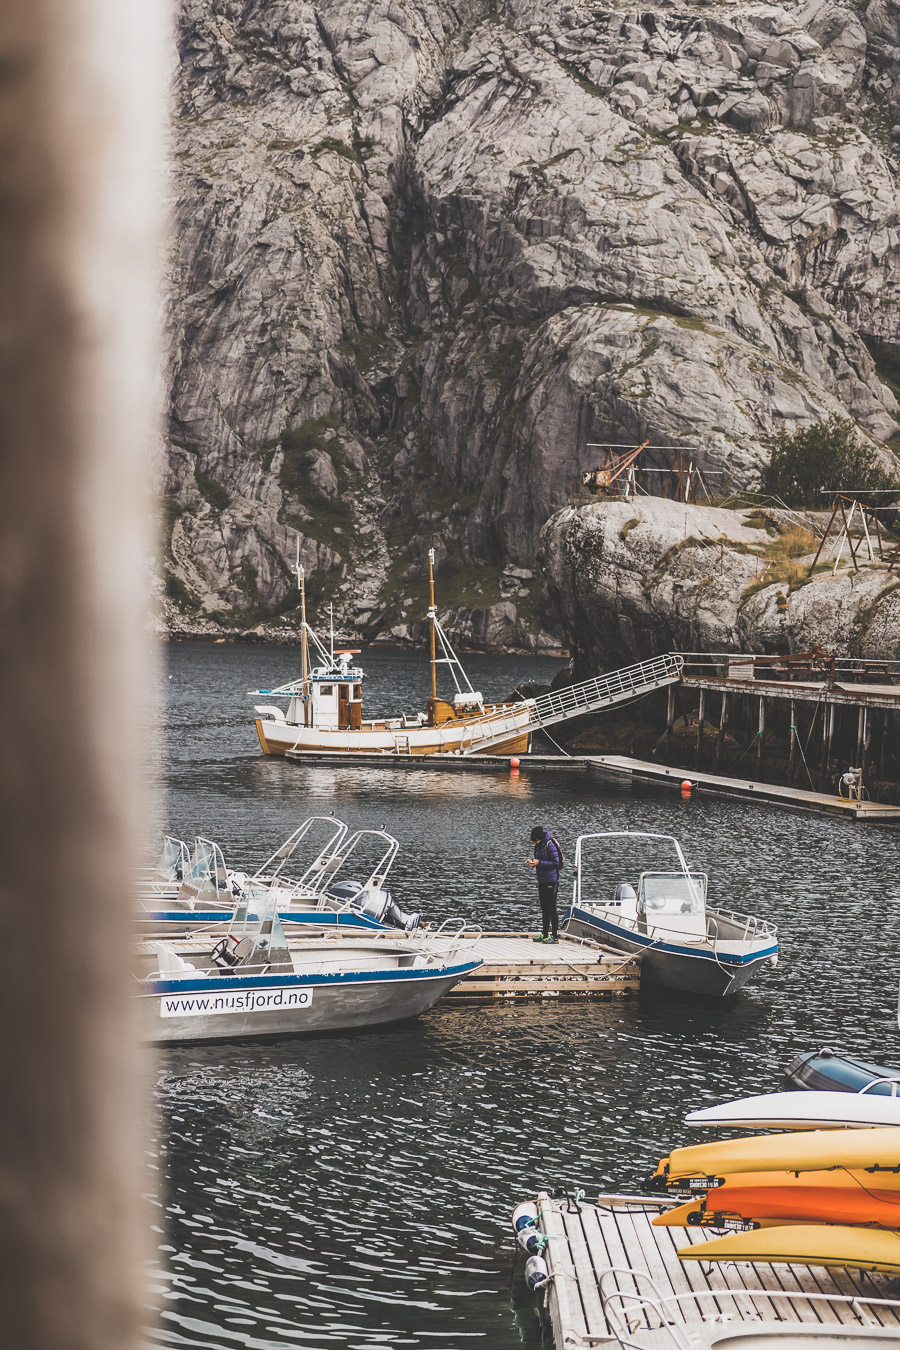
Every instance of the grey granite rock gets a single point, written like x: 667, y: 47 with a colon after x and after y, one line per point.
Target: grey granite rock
x: 426, y: 254
x: 632, y: 579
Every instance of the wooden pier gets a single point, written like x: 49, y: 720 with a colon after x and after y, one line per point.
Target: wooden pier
x: 588, y: 1239
x: 515, y: 966
x: 795, y: 799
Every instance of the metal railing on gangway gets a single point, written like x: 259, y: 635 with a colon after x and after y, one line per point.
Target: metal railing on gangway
x: 589, y: 696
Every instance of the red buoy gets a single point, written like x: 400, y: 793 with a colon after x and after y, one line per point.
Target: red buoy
x: 513, y: 763
x: 687, y: 788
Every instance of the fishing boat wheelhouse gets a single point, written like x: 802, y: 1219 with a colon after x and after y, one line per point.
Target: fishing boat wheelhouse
x: 325, y: 706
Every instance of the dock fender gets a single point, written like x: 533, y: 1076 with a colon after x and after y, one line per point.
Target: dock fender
x: 524, y: 1215
x: 536, y: 1272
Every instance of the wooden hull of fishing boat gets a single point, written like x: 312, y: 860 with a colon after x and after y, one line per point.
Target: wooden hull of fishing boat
x: 235, y: 1008
x: 805, y: 1245
x: 277, y: 738
x: 807, y: 1151
x: 688, y: 970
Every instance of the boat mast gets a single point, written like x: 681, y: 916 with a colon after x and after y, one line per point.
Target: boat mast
x: 304, y: 640
x: 432, y: 615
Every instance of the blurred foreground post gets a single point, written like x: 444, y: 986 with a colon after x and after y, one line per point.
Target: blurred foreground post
x: 82, y: 101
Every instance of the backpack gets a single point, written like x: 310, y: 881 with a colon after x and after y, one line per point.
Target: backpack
x: 562, y: 857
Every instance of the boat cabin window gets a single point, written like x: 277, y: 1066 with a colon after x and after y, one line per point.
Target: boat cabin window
x: 672, y: 893
x: 325, y: 691
x: 357, y: 691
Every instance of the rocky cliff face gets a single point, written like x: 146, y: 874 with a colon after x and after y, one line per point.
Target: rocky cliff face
x: 425, y: 254
x: 632, y: 579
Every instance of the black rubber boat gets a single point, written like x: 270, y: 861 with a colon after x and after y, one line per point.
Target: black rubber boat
x: 826, y: 1071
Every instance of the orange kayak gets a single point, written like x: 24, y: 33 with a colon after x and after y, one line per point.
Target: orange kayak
x: 777, y: 1197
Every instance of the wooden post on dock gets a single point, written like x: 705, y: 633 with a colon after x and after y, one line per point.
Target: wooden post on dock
x: 829, y: 739
x: 723, y: 718
x: 762, y: 734
x: 866, y: 742
x: 701, y: 722
x: 793, y: 742
x: 860, y: 734
x: 670, y: 720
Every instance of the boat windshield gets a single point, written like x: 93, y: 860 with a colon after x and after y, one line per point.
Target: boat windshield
x: 672, y: 893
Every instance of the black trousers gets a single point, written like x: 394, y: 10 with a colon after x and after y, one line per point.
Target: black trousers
x: 549, y: 914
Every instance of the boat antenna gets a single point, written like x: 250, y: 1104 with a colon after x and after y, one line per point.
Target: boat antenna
x: 331, y: 608
x: 432, y: 615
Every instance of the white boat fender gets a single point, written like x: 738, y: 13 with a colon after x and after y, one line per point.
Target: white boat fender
x: 536, y: 1272
x: 531, y: 1240
x: 524, y: 1215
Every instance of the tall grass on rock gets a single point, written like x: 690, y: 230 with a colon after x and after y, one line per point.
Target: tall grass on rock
x: 807, y: 466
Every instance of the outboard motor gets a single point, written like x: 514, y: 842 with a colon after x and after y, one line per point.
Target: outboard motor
x: 376, y: 904
x: 625, y: 891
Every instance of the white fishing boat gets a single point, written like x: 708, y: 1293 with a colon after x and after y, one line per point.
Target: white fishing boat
x: 801, y: 1111
x: 324, y: 712
x: 684, y: 943
x: 254, y: 981
x: 190, y: 889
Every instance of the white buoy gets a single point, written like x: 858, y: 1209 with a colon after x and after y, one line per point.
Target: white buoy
x: 536, y: 1272
x: 524, y: 1215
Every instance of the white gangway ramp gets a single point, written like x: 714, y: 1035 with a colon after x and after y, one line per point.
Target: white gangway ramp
x: 619, y: 686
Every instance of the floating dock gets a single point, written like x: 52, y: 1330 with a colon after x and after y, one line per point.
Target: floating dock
x: 795, y: 799
x: 515, y: 966
x: 588, y: 1239
x: 621, y: 767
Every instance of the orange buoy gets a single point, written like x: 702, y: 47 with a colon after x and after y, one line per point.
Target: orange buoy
x: 513, y: 763
x: 687, y: 788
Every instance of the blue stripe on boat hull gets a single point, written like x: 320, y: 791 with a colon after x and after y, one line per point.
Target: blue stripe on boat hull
x: 666, y: 964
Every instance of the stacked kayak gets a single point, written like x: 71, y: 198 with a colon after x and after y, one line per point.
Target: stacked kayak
x: 766, y: 1199
x: 801, y: 1111
x: 698, y: 1166
x: 810, y: 1196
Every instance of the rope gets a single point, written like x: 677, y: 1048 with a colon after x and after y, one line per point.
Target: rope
x: 748, y: 749
x: 796, y: 736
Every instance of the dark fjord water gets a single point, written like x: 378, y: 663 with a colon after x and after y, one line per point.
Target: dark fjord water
x: 354, y: 1191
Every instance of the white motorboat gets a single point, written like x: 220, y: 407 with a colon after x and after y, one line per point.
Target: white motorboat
x: 801, y: 1111
x: 663, y: 916
x: 254, y: 981
x: 189, y: 890
x: 324, y: 707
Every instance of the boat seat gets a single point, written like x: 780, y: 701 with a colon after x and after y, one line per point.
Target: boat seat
x: 172, y: 966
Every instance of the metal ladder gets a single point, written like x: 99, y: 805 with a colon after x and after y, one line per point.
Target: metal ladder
x: 619, y: 686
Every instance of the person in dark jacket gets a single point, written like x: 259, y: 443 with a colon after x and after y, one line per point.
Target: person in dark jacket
x: 547, y: 861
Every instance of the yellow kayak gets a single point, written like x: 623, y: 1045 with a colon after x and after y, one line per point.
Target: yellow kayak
x: 875, y: 1152
x: 805, y: 1245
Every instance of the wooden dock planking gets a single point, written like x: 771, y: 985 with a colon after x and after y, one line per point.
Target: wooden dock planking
x: 587, y: 1239
x: 516, y: 966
